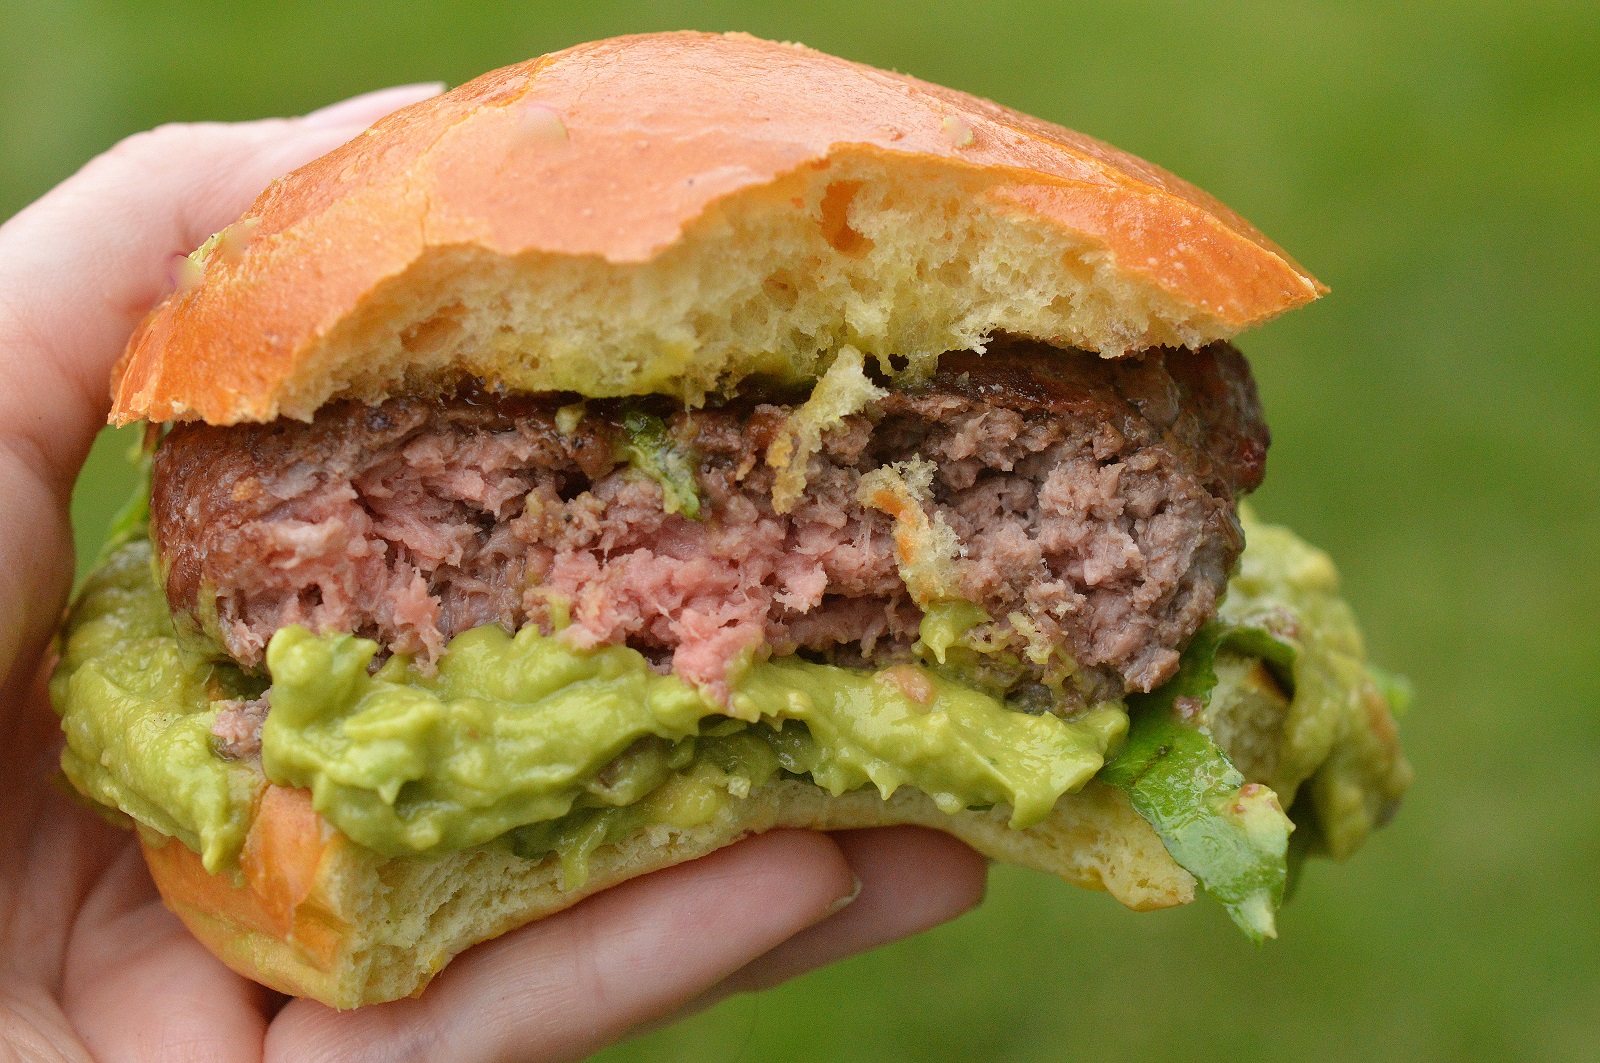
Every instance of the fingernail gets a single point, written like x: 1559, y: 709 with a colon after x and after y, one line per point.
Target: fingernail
x: 371, y: 106
x: 844, y: 902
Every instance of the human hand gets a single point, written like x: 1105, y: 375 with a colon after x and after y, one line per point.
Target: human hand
x: 91, y: 964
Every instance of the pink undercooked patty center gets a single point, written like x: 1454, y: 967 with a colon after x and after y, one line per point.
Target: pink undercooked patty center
x: 1094, y: 503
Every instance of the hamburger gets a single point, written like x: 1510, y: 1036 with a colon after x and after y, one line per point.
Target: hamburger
x: 681, y: 436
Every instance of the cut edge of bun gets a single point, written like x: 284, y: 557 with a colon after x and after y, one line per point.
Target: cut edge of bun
x: 673, y: 213
x: 345, y: 926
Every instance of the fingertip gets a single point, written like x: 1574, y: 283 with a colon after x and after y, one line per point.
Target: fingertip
x: 912, y: 879
x: 368, y: 107
x: 947, y: 876
x: 806, y: 867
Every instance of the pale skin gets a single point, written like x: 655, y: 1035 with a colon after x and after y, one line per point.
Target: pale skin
x: 91, y: 965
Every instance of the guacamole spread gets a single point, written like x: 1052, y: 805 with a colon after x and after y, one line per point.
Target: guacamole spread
x: 137, y: 706
x: 1335, y: 713
x: 522, y: 741
x: 512, y: 729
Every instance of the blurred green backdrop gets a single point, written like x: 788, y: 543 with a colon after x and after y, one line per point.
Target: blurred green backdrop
x: 1437, y: 424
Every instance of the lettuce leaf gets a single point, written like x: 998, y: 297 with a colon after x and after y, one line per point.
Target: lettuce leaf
x: 1232, y: 836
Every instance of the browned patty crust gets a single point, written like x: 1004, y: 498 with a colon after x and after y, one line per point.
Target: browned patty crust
x: 1093, y: 501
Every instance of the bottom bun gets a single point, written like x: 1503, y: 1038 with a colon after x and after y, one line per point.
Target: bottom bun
x: 313, y: 915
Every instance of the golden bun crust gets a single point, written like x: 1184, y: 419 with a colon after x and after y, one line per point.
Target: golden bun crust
x: 314, y: 916
x: 673, y: 212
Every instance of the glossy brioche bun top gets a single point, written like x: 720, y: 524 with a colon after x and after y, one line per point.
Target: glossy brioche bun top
x: 674, y: 212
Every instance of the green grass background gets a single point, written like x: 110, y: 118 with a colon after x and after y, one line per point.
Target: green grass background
x: 1437, y: 424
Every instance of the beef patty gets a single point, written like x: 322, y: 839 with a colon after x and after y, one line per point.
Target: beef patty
x: 1093, y: 502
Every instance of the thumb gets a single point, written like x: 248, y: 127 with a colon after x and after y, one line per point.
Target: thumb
x: 81, y: 266
x: 78, y: 269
